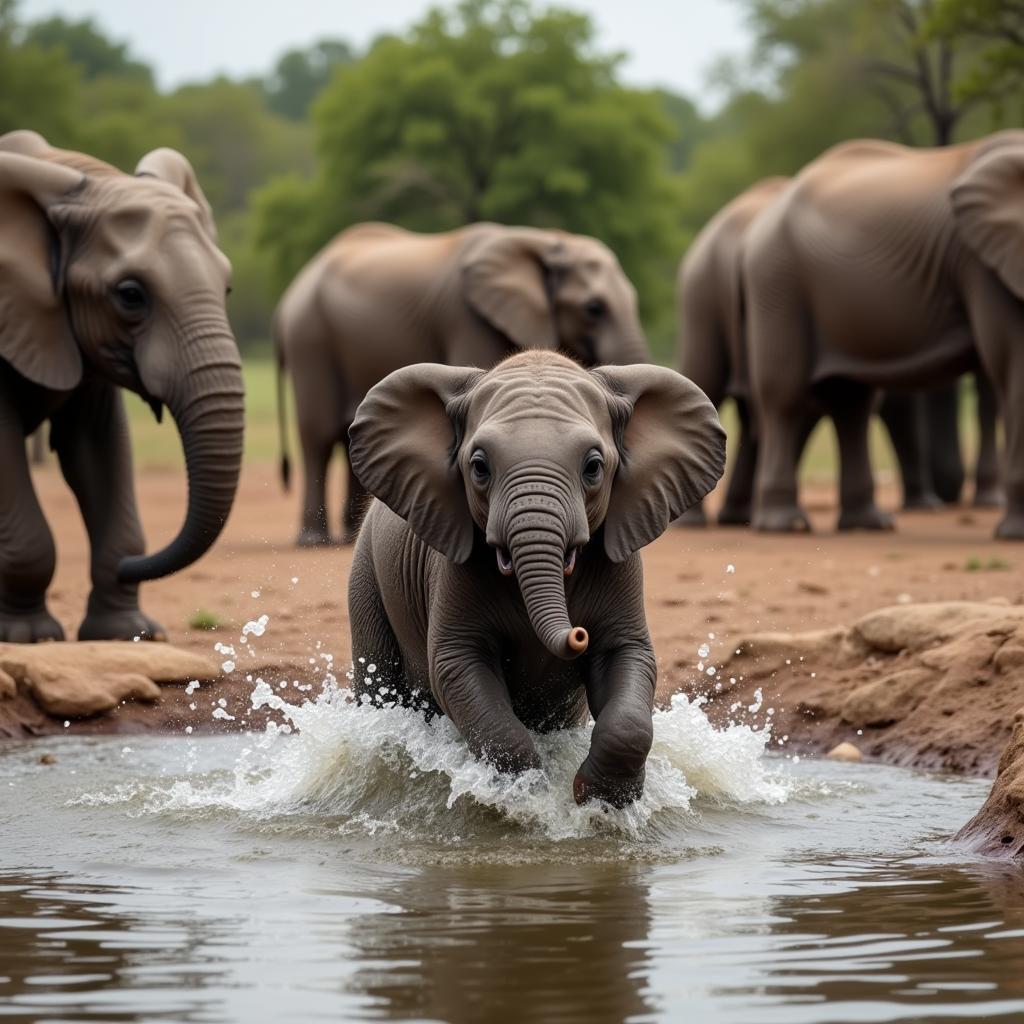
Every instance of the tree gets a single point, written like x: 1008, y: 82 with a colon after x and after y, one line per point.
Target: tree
x: 489, y: 111
x: 87, y: 48
x: 301, y: 75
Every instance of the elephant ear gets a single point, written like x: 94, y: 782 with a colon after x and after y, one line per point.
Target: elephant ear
x: 988, y: 203
x: 171, y: 166
x: 403, y: 445
x: 503, y: 279
x: 671, y: 453
x: 35, y: 334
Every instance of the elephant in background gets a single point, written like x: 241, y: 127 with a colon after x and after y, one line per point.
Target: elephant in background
x: 888, y: 267
x: 711, y: 351
x: 513, y: 504
x: 108, y: 280
x: 378, y: 298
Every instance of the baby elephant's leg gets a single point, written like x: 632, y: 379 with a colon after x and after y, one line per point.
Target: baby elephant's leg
x: 620, y: 689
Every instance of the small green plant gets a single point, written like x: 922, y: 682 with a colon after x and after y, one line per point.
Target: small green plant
x: 994, y: 564
x: 203, y: 619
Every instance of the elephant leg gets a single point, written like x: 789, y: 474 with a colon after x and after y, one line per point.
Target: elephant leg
x: 320, y: 408
x: 90, y: 436
x: 988, y: 491
x: 850, y: 406
x: 947, y: 464
x: 776, y: 508
x: 27, y: 556
x: 904, y: 419
x: 620, y: 691
x: 736, y: 510
x: 356, y: 500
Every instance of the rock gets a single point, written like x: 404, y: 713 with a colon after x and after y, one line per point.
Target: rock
x: 47, y: 759
x: 75, y: 680
x: 886, y: 700
x: 998, y: 828
x: 8, y: 687
x: 767, y: 653
x: 915, y: 627
x: 845, y: 752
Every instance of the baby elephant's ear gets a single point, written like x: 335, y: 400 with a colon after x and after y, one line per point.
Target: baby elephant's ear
x: 672, y: 452
x: 402, y: 446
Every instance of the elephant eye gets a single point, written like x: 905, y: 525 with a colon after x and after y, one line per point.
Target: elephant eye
x: 595, y: 309
x: 593, y: 468
x: 131, y: 297
x: 480, y: 468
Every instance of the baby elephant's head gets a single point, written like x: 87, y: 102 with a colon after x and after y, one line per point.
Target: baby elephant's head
x: 536, y: 456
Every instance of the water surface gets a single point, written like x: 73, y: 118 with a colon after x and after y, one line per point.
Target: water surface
x: 370, y: 869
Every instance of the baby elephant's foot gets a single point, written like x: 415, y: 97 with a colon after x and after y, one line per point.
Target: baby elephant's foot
x: 782, y: 519
x: 32, y: 627
x: 123, y: 624
x: 619, y: 791
x: 870, y: 517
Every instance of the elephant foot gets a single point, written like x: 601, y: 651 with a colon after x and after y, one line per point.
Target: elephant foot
x: 33, y: 627
x: 313, y: 538
x: 782, y: 519
x: 1011, y: 527
x: 734, y: 515
x: 122, y: 624
x: 618, y: 792
x: 692, y: 519
x: 989, y: 496
x: 871, y: 517
x: 926, y: 501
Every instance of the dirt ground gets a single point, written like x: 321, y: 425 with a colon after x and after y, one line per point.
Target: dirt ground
x: 708, y: 586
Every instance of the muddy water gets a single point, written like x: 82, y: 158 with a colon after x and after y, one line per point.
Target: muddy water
x: 368, y: 868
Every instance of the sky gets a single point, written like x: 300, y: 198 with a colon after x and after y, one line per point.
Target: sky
x: 669, y: 42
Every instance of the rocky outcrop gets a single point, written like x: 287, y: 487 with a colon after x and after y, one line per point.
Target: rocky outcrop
x: 930, y: 686
x: 78, y: 680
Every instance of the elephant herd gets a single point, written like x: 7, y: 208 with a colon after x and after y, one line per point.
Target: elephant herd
x: 494, y: 391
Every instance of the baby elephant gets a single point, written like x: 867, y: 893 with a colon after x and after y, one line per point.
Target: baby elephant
x: 497, y: 579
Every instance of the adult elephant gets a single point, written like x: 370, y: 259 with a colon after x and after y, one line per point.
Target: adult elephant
x: 711, y: 351
x: 378, y: 298
x: 884, y: 266
x: 108, y: 280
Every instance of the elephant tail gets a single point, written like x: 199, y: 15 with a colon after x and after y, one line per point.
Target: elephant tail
x: 282, y: 418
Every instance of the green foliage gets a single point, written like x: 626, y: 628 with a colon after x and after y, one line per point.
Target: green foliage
x: 994, y: 564
x: 88, y: 49
x: 300, y: 75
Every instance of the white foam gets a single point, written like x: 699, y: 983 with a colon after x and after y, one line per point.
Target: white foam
x: 375, y: 771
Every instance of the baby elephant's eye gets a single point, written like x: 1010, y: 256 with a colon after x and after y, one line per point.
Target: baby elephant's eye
x: 479, y: 467
x: 595, y: 308
x: 593, y: 468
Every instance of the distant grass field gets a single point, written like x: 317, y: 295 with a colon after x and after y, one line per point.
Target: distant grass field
x: 157, y: 445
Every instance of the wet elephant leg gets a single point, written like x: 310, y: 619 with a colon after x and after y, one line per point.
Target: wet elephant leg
x: 947, y: 465
x: 988, y: 491
x: 737, y: 509
x: 27, y: 556
x: 90, y: 436
x: 904, y: 418
x: 850, y: 406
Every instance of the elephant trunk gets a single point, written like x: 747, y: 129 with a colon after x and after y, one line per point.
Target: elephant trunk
x: 537, y: 545
x: 205, y: 398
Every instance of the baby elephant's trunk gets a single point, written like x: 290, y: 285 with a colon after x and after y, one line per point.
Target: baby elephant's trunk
x: 537, y: 544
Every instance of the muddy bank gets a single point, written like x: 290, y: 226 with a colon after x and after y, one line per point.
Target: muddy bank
x: 928, y: 686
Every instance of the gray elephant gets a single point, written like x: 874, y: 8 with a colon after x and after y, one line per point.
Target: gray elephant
x: 378, y: 298
x: 883, y: 266
x: 108, y: 280
x: 711, y: 351
x: 513, y: 503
